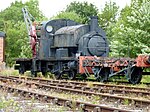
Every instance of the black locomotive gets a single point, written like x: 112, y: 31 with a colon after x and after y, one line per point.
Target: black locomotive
x: 60, y: 44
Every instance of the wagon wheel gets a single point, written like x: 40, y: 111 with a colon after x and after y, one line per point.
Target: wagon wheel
x: 84, y: 76
x: 103, y: 75
x: 71, y: 74
x: 58, y: 75
x: 44, y: 73
x: 33, y: 73
x: 21, y: 70
x: 136, y: 75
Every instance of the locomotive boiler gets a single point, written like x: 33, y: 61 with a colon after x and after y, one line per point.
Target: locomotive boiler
x: 66, y: 48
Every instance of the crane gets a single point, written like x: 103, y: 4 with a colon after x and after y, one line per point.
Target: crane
x: 31, y: 29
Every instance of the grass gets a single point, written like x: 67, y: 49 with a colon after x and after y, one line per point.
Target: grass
x: 8, y: 104
x: 50, y: 75
x: 146, y: 79
x: 141, y: 85
x: 90, y: 84
x: 126, y: 102
x: 9, y: 71
x: 94, y: 99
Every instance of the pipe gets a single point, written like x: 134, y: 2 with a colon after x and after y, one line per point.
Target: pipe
x: 94, y: 23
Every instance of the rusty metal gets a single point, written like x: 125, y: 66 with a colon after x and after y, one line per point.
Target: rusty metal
x: 61, y: 101
x: 84, y: 91
x: 104, y: 88
x: 143, y: 61
x: 78, y: 84
x: 103, y: 67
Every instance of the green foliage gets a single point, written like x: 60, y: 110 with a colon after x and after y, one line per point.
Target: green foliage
x: 16, y: 40
x: 126, y: 102
x: 14, y: 12
x: 4, y: 103
x: 131, y: 33
x: 127, y: 30
x: 108, y: 14
x: 9, y: 71
x: 124, y: 13
x: 108, y: 19
x: 84, y: 10
x: 68, y: 15
x: 146, y: 78
x: 33, y: 8
x: 12, y: 23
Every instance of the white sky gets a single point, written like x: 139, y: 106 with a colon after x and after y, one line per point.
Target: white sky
x: 53, y: 7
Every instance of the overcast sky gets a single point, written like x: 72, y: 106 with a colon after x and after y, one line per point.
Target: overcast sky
x: 52, y: 7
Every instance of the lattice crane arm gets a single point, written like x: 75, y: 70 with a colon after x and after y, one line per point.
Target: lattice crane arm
x: 28, y: 18
x: 31, y: 29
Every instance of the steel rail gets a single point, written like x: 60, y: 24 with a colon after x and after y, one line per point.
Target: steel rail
x: 64, y: 102
x: 100, y: 86
x: 136, y: 101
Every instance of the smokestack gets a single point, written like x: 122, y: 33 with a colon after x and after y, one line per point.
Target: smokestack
x: 94, y: 23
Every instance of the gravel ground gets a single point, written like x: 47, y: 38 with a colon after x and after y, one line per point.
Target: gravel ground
x: 13, y: 103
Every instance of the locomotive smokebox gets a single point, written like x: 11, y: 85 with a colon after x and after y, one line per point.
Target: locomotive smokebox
x: 94, y: 23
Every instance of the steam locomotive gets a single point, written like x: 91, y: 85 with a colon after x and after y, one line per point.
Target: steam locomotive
x: 61, y: 42
x: 65, y: 47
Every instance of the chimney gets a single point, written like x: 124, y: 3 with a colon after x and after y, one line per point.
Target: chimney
x: 94, y: 23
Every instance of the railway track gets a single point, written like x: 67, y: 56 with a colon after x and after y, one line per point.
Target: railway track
x: 81, y: 88
x: 85, y: 106
x: 95, y: 87
x: 119, y: 82
x: 18, y: 103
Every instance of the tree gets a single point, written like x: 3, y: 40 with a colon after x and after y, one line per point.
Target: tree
x: 68, y: 15
x: 12, y: 22
x: 133, y: 31
x: 108, y: 14
x: 84, y: 10
x: 14, y: 12
x: 108, y: 18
